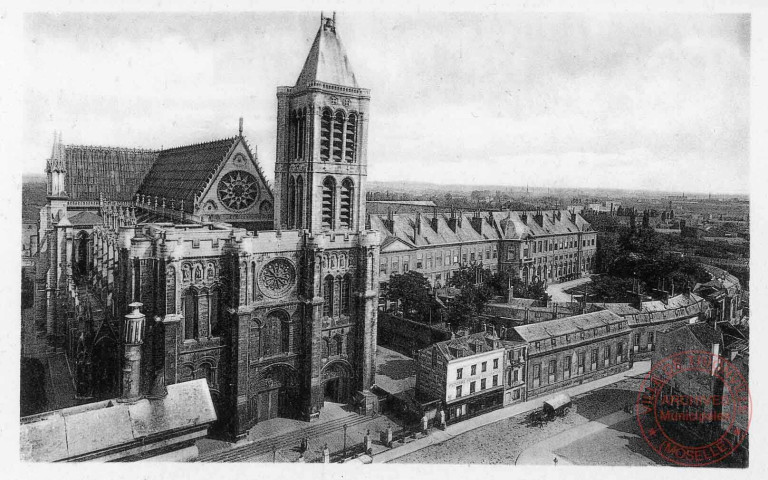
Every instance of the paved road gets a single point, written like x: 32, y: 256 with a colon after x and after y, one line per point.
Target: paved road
x: 557, y: 293
x: 542, y: 453
x: 439, y: 436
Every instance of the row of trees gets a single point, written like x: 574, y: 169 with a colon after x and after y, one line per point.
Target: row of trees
x: 475, y: 288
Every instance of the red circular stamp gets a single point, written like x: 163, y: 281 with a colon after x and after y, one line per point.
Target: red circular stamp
x: 694, y: 408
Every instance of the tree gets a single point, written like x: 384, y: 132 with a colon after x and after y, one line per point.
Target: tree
x: 412, y: 291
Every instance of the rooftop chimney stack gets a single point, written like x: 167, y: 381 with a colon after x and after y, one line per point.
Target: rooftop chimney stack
x: 133, y: 338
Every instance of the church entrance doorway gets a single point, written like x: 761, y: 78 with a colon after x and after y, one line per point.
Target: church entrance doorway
x: 337, y: 380
x: 278, y: 393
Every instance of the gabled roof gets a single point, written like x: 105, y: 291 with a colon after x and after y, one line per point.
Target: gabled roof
x: 182, y: 173
x: 519, y: 225
x: 327, y: 60
x: 404, y: 224
x: 85, y: 219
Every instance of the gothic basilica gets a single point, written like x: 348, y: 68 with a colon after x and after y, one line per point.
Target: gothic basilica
x: 269, y: 295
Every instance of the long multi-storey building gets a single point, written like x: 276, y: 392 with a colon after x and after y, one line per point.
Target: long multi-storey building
x: 533, y: 246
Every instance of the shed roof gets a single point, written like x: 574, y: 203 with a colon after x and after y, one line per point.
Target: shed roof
x: 562, y: 326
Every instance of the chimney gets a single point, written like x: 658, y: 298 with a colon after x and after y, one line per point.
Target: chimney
x: 452, y: 222
x: 573, y: 217
x: 539, y: 218
x: 477, y: 222
x: 133, y: 338
x: 416, y: 228
x: 433, y: 220
x: 390, y: 221
x: 240, y: 130
x: 524, y: 218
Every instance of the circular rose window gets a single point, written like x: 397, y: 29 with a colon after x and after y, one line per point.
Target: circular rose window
x: 237, y: 190
x: 277, y: 277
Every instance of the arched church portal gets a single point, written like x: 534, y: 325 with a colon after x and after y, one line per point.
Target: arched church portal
x: 278, y: 393
x: 337, y: 382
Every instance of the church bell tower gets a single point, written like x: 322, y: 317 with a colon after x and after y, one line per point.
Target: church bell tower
x: 322, y: 133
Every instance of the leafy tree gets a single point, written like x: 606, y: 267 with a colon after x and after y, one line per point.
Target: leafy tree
x: 412, y: 291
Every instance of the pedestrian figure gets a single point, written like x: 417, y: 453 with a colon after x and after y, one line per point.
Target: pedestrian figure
x: 555, y: 460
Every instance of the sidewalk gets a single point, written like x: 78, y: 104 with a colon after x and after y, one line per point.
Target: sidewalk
x: 439, y: 436
x: 556, y: 290
x: 543, y: 452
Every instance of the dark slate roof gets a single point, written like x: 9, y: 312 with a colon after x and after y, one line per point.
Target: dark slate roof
x: 327, y: 60
x: 182, y: 173
x: 113, y: 172
x: 706, y: 334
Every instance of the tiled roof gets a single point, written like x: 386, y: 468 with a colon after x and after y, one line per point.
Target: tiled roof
x: 327, y: 60
x: 182, y: 173
x: 115, y: 173
x: 555, y: 328
x: 519, y: 225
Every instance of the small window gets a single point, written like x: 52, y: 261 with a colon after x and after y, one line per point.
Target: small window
x: 459, y: 373
x: 495, y: 363
x: 472, y: 387
x: 458, y: 391
x: 473, y: 370
x: 484, y: 367
x: 482, y: 384
x: 554, y: 342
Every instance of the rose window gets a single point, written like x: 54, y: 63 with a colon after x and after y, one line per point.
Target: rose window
x: 277, y: 277
x: 237, y: 190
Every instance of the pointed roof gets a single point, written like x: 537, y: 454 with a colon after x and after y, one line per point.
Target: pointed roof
x: 327, y: 61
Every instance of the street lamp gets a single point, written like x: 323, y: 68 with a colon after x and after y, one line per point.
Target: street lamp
x: 345, y: 440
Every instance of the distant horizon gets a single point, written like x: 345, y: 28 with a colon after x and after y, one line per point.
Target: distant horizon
x: 383, y: 183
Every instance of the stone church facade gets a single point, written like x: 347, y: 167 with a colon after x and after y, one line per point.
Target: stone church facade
x: 278, y: 321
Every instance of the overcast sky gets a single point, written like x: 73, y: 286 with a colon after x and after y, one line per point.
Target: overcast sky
x: 622, y: 100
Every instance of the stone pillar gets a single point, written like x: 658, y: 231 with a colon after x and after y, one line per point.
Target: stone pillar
x: 133, y: 338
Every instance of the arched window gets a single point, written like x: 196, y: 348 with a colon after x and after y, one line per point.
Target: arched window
x: 291, y: 200
x: 300, y: 202
x: 328, y: 296
x: 325, y: 135
x: 338, y: 136
x: 285, y: 336
x: 351, y: 141
x: 345, y: 297
x: 215, y: 312
x: 339, y: 344
x: 326, y: 347
x: 206, y: 371
x: 190, y: 315
x: 329, y: 201
x: 347, y: 194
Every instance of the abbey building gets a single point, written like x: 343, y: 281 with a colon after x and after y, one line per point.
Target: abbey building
x: 269, y: 295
